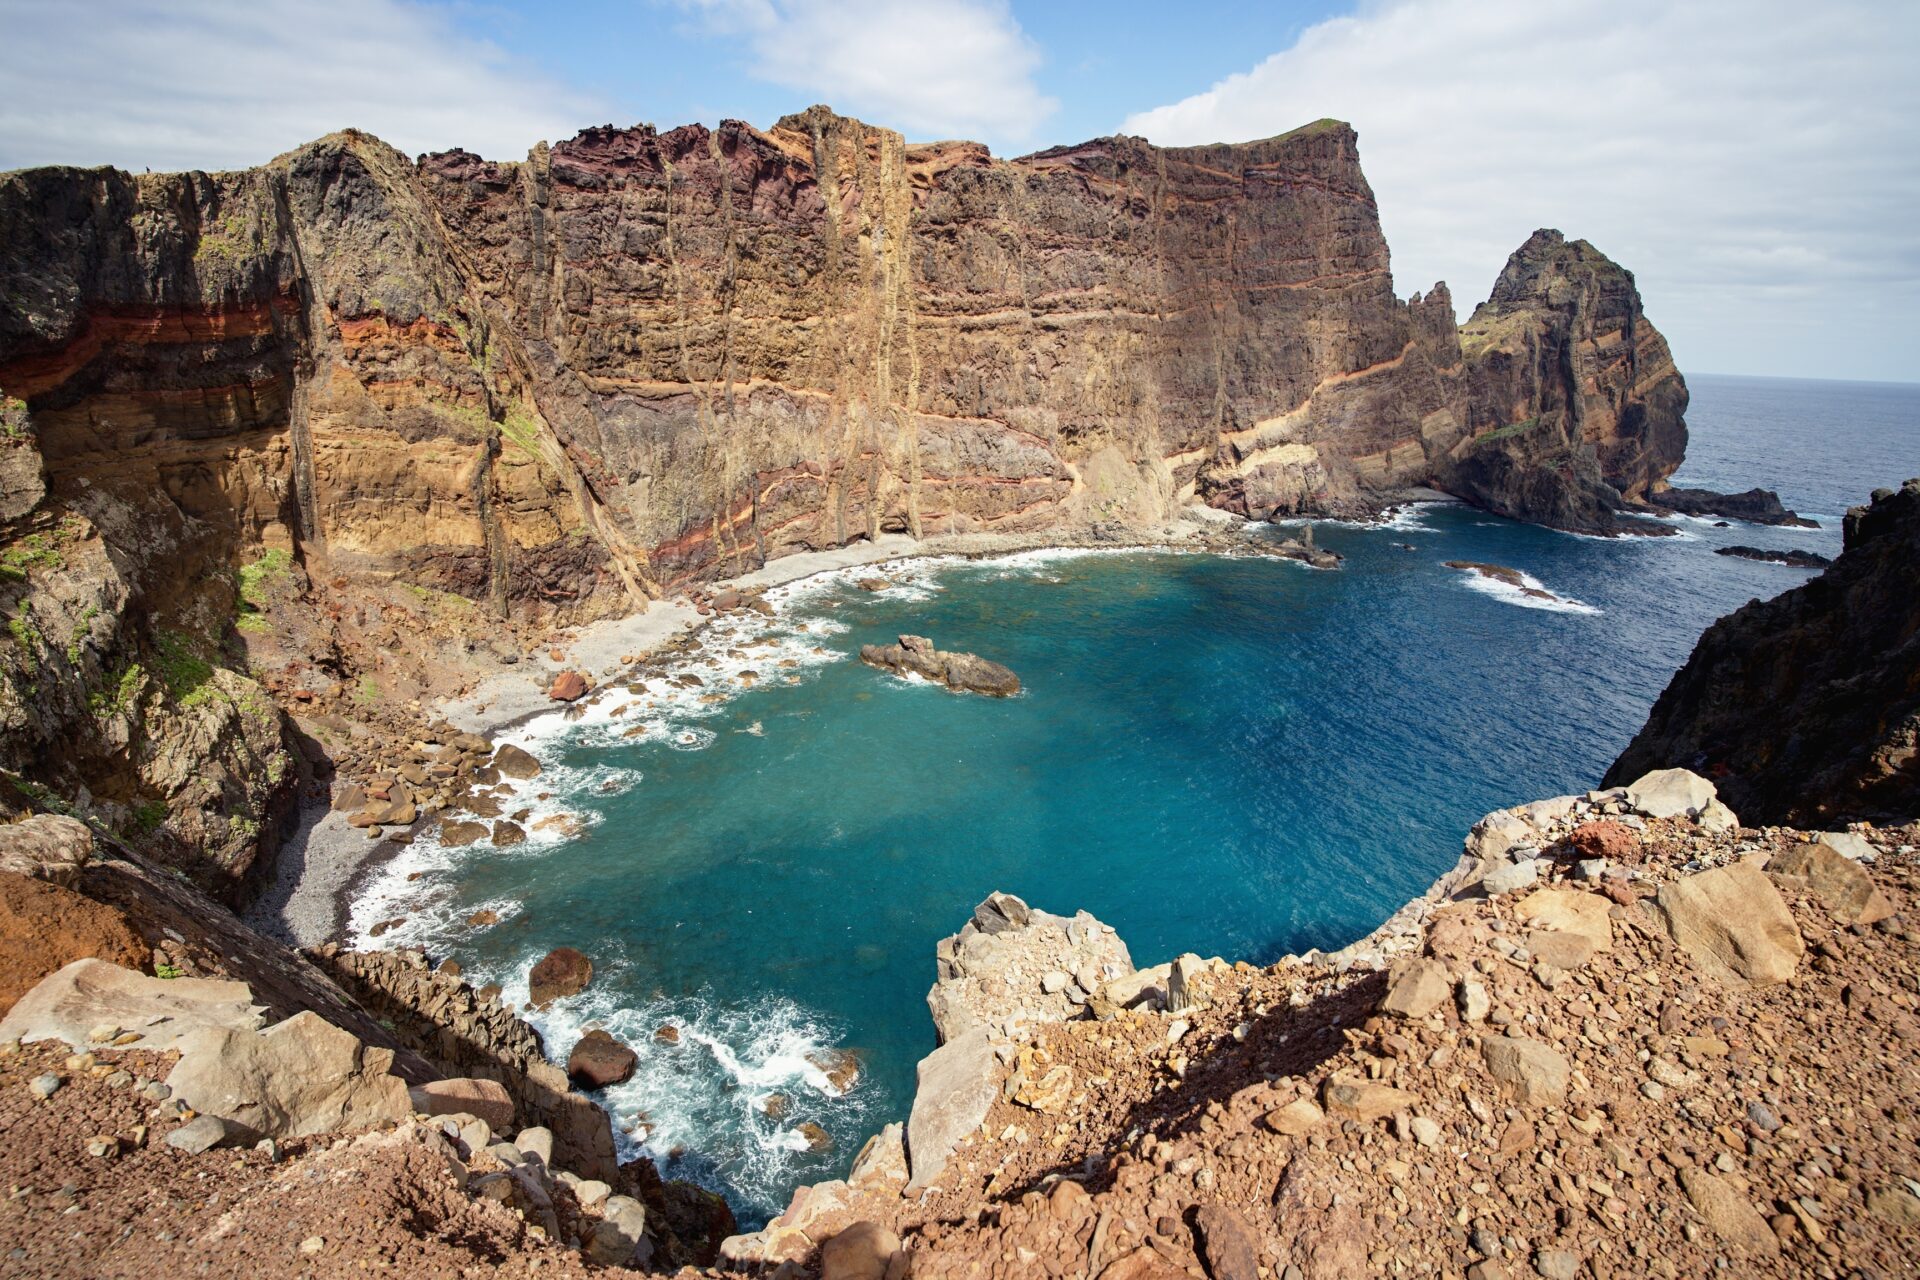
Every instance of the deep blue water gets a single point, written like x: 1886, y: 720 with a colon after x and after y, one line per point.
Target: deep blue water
x: 1240, y: 757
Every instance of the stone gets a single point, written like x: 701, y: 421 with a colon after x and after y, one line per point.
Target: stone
x: 1729, y: 1214
x: 1533, y: 1073
x: 1605, y: 840
x: 599, y: 1060
x: 1229, y: 1246
x: 1296, y: 1117
x: 536, y: 1143
x: 47, y: 846
x: 301, y: 1076
x: 1565, y: 951
x: 591, y: 1193
x: 44, y: 1086
x: 956, y: 1086
x: 1510, y: 877
x: 560, y: 973
x: 515, y: 762
x: 67, y: 1003
x: 507, y: 833
x: 202, y: 1133
x: 817, y: 1138
x: 568, y: 686
x: 1849, y: 845
x: 620, y: 1237
x: 1362, y: 1100
x: 487, y: 1100
x: 1180, y: 975
x: 1557, y: 1264
x: 1670, y: 793
x: 460, y: 834
x: 1425, y: 1130
x: 841, y: 1067
x: 1842, y: 885
x: 882, y: 1162
x: 1895, y: 1206
x: 1572, y: 911
x: 1001, y: 913
x: 859, y: 1252
x: 1734, y: 924
x: 1416, y: 988
x: 1039, y: 1082
x: 1474, y: 1002
x: 962, y: 672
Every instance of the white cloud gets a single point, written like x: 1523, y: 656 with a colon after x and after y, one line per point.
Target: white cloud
x: 1756, y: 163
x: 932, y: 68
x: 210, y: 84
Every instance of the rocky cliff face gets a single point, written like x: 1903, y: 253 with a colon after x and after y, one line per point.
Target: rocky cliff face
x: 1573, y: 400
x: 1806, y: 707
x: 325, y: 432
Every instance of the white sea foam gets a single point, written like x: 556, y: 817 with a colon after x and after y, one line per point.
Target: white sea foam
x: 1508, y: 593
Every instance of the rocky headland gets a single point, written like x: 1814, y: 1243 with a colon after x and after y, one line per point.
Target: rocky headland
x: 314, y: 475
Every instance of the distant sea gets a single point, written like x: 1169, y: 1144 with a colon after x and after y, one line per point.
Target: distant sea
x: 1238, y: 757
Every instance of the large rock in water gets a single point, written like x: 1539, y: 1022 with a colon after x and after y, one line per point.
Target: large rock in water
x: 1576, y: 410
x: 562, y: 972
x: 1805, y: 709
x: 599, y: 1060
x: 964, y: 672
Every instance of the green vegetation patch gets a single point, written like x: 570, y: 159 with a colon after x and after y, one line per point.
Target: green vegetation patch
x: 35, y: 551
x: 187, y: 676
x: 116, y: 697
x: 14, y: 423
x: 255, y: 582
x: 1509, y: 431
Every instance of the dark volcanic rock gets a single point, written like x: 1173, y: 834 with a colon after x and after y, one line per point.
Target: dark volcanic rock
x: 599, y: 1060
x: 1575, y: 407
x: 1806, y: 708
x: 1755, y: 506
x: 964, y: 672
x: 1796, y: 558
x: 560, y: 973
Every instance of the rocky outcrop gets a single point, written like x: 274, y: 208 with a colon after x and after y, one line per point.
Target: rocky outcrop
x: 1755, y: 506
x: 1011, y: 968
x: 1575, y: 409
x: 1806, y: 707
x: 1795, y: 559
x: 298, y: 1077
x: 961, y: 672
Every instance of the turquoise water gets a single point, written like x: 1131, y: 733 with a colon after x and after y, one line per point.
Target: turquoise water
x: 1241, y: 757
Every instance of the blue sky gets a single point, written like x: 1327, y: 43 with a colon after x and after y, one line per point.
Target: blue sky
x: 1755, y: 162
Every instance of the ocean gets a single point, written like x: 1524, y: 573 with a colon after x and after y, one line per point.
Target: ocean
x: 1240, y: 757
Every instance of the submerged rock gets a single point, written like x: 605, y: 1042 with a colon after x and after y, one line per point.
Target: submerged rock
x: 963, y: 672
x: 1795, y: 559
x: 1500, y: 573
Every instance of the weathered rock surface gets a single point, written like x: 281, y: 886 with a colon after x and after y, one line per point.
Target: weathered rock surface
x: 1806, y: 707
x: 1575, y: 407
x: 298, y: 1077
x: 1012, y: 968
x: 1755, y: 506
x: 46, y: 847
x: 562, y: 972
x: 1734, y: 924
x: 1795, y: 558
x: 598, y: 1060
x: 963, y: 672
x: 955, y: 1086
x: 88, y: 993
x: 1838, y: 881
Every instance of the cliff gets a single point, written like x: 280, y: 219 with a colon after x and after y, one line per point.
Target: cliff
x: 335, y: 433
x: 1574, y: 404
x: 1806, y: 707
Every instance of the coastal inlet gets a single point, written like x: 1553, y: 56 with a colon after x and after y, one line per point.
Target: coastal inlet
x: 772, y: 835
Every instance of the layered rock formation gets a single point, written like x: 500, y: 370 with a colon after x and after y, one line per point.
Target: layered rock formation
x: 308, y: 432
x: 1575, y: 407
x: 1806, y: 707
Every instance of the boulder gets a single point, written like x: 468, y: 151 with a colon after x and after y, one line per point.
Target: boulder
x: 963, y: 672
x: 69, y: 1003
x: 458, y: 835
x: 1566, y: 926
x: 298, y: 1077
x: 1510, y: 877
x: 1296, y: 1117
x: 507, y: 834
x: 202, y: 1133
x: 562, y: 972
x: 568, y: 686
x: 487, y: 1100
x: 862, y: 1251
x: 1416, y: 988
x: 1533, y: 1073
x: 957, y: 1084
x: 1670, y: 793
x: 515, y: 763
x: 1181, y: 995
x: 47, y: 846
x: 44, y: 926
x: 1001, y: 913
x: 1229, y: 1245
x: 1729, y: 1214
x: 882, y: 1162
x: 619, y: 1239
x: 1734, y: 924
x: 1849, y: 845
x: 1605, y: 838
x: 599, y: 1060
x: 1842, y: 885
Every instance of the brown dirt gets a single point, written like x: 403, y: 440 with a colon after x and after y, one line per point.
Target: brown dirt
x: 44, y: 927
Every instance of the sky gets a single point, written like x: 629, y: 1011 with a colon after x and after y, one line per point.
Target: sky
x: 1755, y: 163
